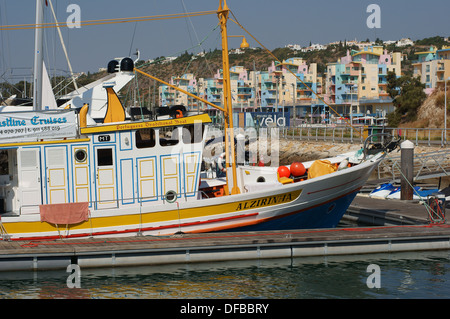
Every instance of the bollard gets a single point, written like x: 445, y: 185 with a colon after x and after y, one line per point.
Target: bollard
x: 407, y: 169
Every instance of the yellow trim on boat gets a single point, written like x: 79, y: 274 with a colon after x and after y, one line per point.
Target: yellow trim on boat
x: 204, y: 118
x: 155, y: 217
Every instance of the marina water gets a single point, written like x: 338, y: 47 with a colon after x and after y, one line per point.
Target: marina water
x: 424, y: 275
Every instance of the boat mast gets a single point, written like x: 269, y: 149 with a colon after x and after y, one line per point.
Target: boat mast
x: 38, y: 56
x: 64, y: 47
x: 222, y: 13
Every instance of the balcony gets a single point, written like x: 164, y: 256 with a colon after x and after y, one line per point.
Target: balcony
x: 381, y: 99
x: 349, y: 82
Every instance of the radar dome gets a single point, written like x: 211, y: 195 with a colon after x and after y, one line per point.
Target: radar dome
x: 127, y: 65
x: 112, y: 66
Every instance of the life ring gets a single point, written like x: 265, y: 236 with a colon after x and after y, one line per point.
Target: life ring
x: 220, y: 162
x: 177, y: 111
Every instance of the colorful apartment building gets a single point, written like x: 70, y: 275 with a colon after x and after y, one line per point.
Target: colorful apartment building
x: 425, y: 67
x: 443, y: 66
x: 433, y: 67
x: 356, y: 85
x: 269, y: 90
x: 211, y: 89
x: 170, y: 96
x: 243, y: 90
x: 290, y: 85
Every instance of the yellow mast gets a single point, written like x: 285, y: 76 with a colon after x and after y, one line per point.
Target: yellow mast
x: 222, y: 13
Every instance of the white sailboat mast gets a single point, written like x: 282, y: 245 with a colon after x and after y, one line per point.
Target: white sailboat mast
x: 63, y: 46
x: 38, y: 56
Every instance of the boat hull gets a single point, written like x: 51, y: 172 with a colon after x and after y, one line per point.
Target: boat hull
x: 315, y: 203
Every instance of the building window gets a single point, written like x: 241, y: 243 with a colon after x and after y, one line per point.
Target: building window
x: 427, y: 68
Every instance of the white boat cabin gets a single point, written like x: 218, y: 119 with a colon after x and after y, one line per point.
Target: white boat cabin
x: 116, y: 165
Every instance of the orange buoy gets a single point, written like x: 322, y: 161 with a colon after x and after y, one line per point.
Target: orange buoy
x: 179, y: 114
x: 297, y: 169
x: 283, y: 171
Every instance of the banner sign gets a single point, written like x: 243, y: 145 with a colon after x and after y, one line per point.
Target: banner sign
x: 28, y: 126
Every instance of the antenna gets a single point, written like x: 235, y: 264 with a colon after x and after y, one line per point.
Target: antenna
x: 138, y: 55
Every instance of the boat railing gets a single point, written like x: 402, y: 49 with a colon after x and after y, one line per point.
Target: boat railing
x: 3, y: 233
x: 357, y: 134
x: 426, y: 165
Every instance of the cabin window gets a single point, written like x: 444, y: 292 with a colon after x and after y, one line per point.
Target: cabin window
x: 104, y: 157
x: 193, y: 133
x: 80, y: 156
x: 145, y: 138
x: 4, y: 167
x: 168, y: 136
x: 171, y: 196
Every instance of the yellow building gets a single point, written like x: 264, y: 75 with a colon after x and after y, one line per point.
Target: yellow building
x: 443, y: 67
x: 357, y: 84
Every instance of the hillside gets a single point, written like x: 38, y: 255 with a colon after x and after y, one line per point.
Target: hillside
x: 251, y: 59
x: 431, y: 112
x: 259, y: 59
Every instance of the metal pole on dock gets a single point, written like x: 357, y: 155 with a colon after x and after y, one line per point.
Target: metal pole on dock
x: 407, y: 169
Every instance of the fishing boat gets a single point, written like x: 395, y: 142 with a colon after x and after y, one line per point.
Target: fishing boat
x: 76, y: 172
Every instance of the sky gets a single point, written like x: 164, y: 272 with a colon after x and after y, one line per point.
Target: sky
x: 273, y: 23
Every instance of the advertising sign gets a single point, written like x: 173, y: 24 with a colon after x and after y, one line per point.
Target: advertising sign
x: 26, y: 126
x: 271, y: 119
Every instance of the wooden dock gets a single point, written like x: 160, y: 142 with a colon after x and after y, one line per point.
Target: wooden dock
x: 382, y: 212
x: 395, y: 226
x: 193, y: 248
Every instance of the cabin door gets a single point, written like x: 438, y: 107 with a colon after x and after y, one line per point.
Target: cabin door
x: 81, y: 172
x: 29, y: 172
x: 106, y: 184
x: 56, y: 174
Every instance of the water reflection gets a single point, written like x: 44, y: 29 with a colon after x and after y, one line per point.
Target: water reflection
x: 403, y: 275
